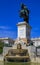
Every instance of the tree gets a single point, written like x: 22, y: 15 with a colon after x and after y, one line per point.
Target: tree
x: 1, y: 47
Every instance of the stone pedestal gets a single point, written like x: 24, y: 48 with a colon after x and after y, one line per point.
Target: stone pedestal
x: 24, y: 30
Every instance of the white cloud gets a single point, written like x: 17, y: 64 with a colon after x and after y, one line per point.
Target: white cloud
x: 6, y: 31
x: 5, y: 27
x: 11, y: 34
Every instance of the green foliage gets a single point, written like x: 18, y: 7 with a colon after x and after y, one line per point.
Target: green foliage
x: 7, y: 45
x: 1, y: 50
x: 1, y: 44
x: 1, y: 47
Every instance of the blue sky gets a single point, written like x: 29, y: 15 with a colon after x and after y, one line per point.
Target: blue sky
x: 9, y: 17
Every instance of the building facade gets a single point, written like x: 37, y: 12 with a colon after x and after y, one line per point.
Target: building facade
x: 7, y: 41
x: 36, y: 41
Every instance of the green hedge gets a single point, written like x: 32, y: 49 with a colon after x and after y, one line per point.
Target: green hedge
x: 1, y: 47
x: 1, y: 50
x: 1, y: 44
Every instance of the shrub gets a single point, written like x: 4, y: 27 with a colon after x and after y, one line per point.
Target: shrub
x: 1, y: 47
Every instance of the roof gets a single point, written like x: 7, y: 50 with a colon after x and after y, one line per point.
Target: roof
x: 8, y: 39
x: 5, y: 38
x: 36, y: 39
